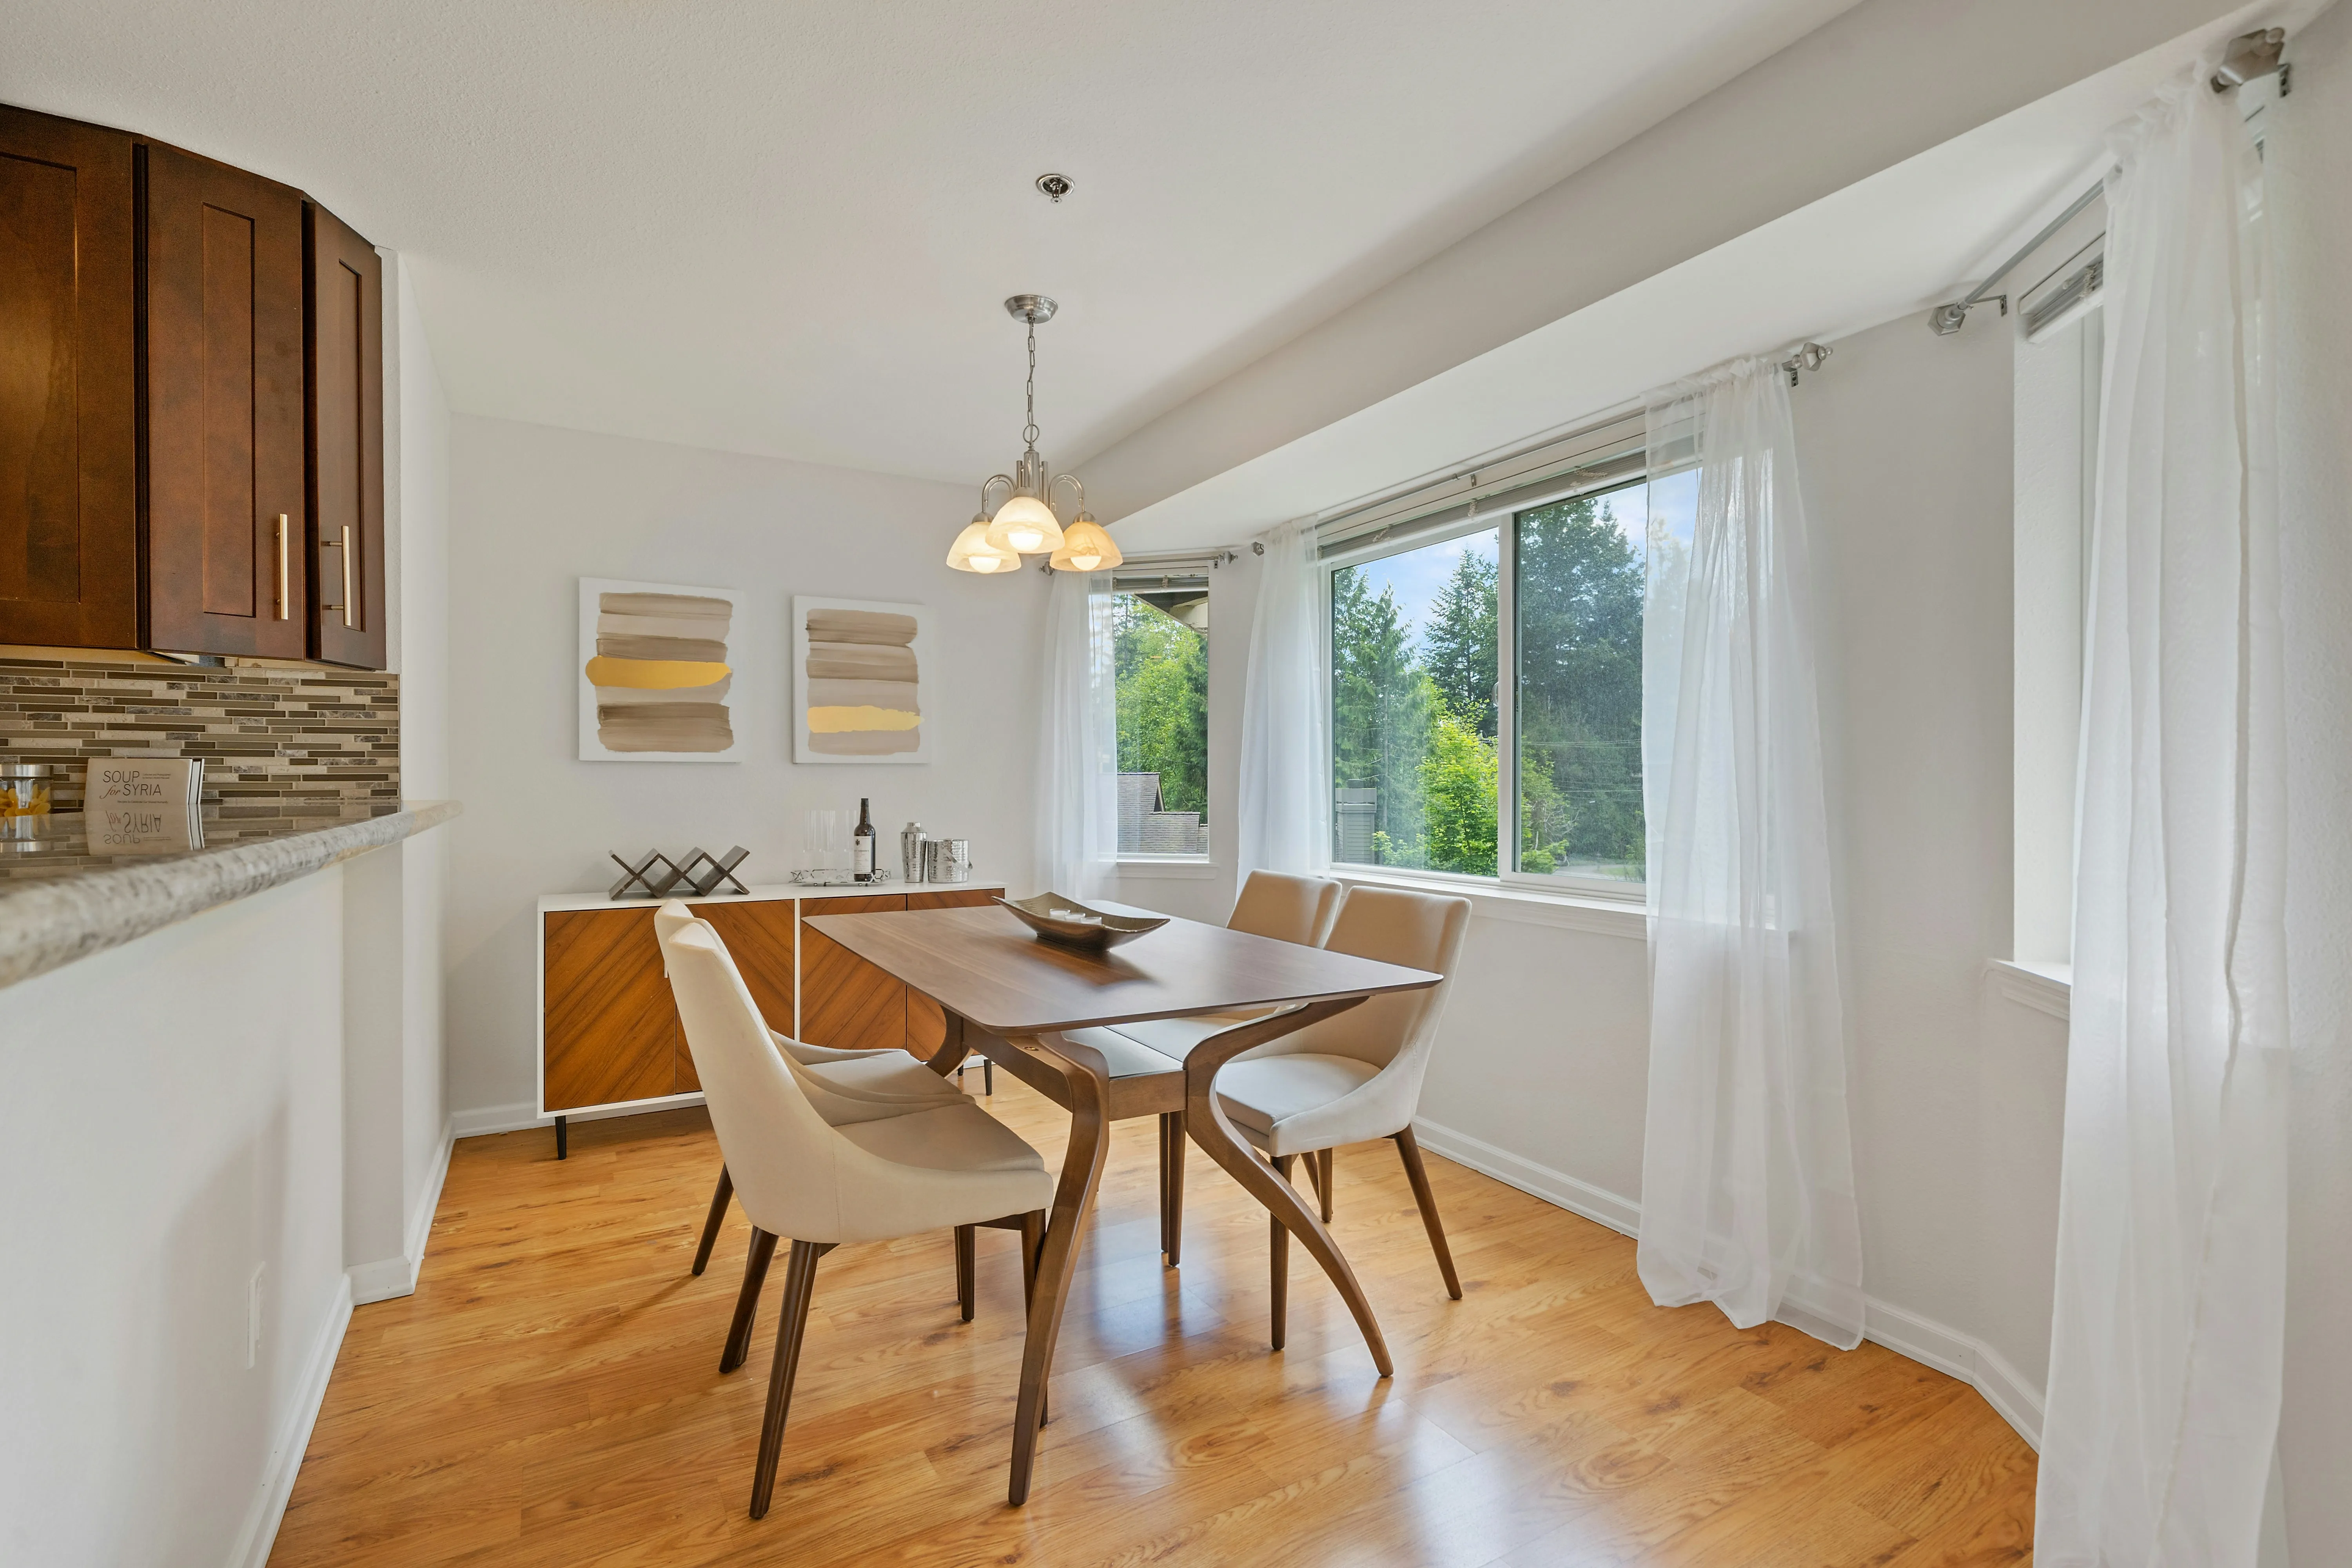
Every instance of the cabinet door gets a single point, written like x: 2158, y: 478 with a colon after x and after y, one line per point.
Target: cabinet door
x: 343, y: 358
x: 927, y: 1022
x: 69, y: 392
x: 846, y: 1002
x: 759, y: 936
x: 226, y: 572
x: 612, y: 1031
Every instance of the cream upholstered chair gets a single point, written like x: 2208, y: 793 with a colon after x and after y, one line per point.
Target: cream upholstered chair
x: 819, y: 1185
x: 1271, y: 904
x: 846, y: 1087
x: 1356, y: 1077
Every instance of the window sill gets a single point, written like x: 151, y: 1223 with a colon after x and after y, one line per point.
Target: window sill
x: 2044, y: 987
x: 1180, y: 867
x: 1522, y: 906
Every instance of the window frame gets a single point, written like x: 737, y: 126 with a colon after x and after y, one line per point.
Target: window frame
x: 1396, y: 538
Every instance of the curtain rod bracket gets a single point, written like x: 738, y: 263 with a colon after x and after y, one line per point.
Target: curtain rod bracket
x: 1809, y: 356
x: 2252, y: 55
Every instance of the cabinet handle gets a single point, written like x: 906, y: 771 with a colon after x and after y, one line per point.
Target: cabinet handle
x: 284, y: 580
x: 342, y: 547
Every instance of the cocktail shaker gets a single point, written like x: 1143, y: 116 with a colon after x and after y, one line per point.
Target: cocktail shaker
x: 911, y: 851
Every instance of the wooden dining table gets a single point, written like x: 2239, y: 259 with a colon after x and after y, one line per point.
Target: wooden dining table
x: 1018, y: 999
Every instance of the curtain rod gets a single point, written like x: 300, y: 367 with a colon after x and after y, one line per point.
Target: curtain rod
x: 1430, y: 493
x: 1146, y: 565
x: 2249, y: 56
x: 1948, y: 319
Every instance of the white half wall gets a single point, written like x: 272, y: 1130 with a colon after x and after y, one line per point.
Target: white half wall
x: 171, y: 1117
x: 534, y: 508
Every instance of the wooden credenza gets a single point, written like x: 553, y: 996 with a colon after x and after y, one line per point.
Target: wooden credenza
x: 609, y: 1036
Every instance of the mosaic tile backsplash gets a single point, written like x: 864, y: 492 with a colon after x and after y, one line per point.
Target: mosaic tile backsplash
x: 276, y: 743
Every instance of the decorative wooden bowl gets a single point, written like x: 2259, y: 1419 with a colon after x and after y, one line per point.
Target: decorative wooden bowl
x: 1073, y: 924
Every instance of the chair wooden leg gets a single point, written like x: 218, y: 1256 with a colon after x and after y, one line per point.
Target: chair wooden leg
x: 1172, y: 1185
x: 1410, y: 1151
x: 800, y: 1278
x: 967, y: 1250
x: 1033, y: 1237
x: 1278, y: 1250
x: 1323, y: 1186
x: 747, y: 1305
x: 718, y: 1214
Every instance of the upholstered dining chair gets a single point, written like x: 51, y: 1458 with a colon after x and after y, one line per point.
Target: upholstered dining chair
x: 819, y: 1185
x: 1271, y: 904
x: 1356, y: 1077
x: 848, y: 1087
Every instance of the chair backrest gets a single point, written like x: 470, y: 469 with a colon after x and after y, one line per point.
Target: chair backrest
x: 784, y: 1159
x: 1285, y: 908
x: 672, y: 916
x: 1419, y: 930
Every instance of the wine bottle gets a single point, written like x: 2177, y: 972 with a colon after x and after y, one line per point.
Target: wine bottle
x: 861, y: 846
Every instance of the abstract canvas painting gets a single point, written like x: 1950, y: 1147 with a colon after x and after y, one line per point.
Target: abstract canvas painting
x: 860, y: 669
x: 654, y: 675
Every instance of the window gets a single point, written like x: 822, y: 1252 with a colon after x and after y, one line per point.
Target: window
x: 1412, y: 708
x: 1161, y: 652
x: 1487, y: 687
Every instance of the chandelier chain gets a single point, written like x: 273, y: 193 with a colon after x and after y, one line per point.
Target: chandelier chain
x: 1029, y: 431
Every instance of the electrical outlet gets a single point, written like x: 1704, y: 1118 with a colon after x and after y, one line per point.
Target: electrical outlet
x: 253, y: 1316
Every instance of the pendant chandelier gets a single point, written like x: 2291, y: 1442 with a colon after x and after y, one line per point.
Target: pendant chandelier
x: 1024, y: 521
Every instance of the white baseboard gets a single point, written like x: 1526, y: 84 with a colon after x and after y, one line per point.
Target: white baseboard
x: 1963, y: 1356
x: 1596, y: 1204
x: 1931, y: 1344
x: 486, y: 1119
x: 391, y: 1277
x: 293, y: 1437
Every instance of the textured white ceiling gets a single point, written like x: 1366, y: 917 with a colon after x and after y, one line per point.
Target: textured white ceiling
x: 786, y: 229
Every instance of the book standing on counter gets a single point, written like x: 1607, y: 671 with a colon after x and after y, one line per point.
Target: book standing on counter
x: 144, y: 804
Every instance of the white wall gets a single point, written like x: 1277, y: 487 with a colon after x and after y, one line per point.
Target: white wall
x: 1542, y: 1074
x: 395, y: 1112
x: 532, y: 510
x: 2311, y: 174
x: 1877, y: 85
x: 1907, y: 441
x: 170, y: 1121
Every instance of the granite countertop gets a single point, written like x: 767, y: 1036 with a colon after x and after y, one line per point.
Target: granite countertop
x: 63, y: 898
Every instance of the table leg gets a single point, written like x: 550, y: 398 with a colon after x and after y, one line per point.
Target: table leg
x: 1205, y: 1120
x: 1074, y: 1199
x: 1172, y: 1185
x: 952, y: 1049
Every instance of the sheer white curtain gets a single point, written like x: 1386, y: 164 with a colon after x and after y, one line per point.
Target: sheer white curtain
x: 1747, y: 1196
x: 1077, y: 783
x: 1284, y: 813
x: 2165, y: 1361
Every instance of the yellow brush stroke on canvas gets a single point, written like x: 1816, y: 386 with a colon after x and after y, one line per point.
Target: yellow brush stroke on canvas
x: 846, y: 720
x: 653, y: 674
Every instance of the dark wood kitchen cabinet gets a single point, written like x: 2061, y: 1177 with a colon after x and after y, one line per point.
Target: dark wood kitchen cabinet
x: 190, y: 406
x: 343, y: 360
x: 227, y: 571
x: 69, y: 389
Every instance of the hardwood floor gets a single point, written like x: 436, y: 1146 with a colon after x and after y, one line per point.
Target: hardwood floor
x: 552, y: 1395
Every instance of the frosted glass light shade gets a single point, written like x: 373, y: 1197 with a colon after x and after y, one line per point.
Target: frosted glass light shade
x: 971, y: 551
x: 1026, y: 525
x: 1086, y: 547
